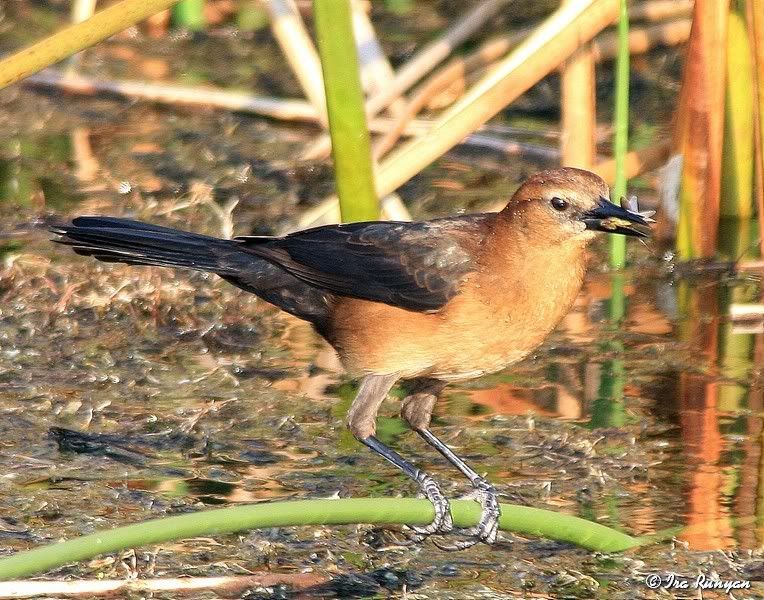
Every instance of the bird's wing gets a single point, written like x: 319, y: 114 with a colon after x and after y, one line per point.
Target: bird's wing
x: 416, y: 266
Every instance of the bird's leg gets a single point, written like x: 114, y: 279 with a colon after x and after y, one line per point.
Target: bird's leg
x: 416, y: 410
x: 362, y: 419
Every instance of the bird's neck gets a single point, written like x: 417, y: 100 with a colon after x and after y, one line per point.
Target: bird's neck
x: 539, y: 273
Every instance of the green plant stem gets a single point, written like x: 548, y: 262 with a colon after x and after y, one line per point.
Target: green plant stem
x: 189, y: 14
x: 608, y: 409
x: 351, y: 147
x: 74, y: 38
x: 617, y: 305
x: 466, y: 513
x: 621, y: 141
x: 737, y: 198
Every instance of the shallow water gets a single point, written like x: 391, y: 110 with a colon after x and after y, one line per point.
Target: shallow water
x: 197, y: 394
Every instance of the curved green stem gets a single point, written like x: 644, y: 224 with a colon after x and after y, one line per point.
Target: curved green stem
x: 519, y: 519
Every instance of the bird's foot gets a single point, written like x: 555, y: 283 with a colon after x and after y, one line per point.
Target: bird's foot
x: 442, y: 522
x: 487, y: 529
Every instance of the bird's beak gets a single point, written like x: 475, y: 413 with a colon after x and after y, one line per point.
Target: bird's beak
x: 612, y: 218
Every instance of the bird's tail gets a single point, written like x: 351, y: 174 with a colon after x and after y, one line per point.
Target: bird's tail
x: 122, y: 240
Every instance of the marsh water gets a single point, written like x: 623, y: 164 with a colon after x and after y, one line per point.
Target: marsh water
x: 127, y: 394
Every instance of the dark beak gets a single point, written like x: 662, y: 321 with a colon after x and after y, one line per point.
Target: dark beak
x: 612, y: 218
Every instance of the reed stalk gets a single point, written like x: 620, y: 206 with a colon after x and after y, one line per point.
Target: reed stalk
x: 699, y: 126
x: 82, y: 10
x: 755, y: 22
x: 621, y: 139
x: 553, y: 42
x: 76, y: 37
x: 189, y: 14
x: 579, y: 112
x: 351, y: 145
x: 423, y: 61
x: 295, y: 42
x: 660, y: 10
x: 738, y: 155
x: 466, y: 513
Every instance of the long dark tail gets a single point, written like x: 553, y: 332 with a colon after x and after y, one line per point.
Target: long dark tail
x: 112, y: 239
x: 135, y: 243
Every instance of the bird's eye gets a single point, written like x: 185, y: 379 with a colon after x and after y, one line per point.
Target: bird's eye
x: 559, y: 204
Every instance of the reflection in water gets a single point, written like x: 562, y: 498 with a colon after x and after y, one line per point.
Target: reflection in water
x: 608, y: 409
x: 15, y: 182
x: 26, y: 179
x: 719, y: 410
x: 85, y: 162
x: 722, y: 482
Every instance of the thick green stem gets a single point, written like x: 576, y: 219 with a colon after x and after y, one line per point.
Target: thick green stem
x: 737, y: 198
x: 621, y: 142
x: 351, y: 147
x: 74, y: 38
x: 466, y: 513
x: 189, y: 14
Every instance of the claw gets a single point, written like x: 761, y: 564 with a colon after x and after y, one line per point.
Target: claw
x: 442, y: 523
x: 487, y: 529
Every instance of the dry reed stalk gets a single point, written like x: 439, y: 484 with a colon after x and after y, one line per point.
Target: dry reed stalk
x: 637, y: 161
x: 699, y: 132
x: 643, y: 39
x: 298, y: 48
x: 277, y: 108
x: 441, y: 80
x: 376, y: 70
x: 99, y: 587
x: 82, y: 10
x: 659, y: 10
x: 603, y: 47
x: 578, y: 107
x: 551, y: 43
x: 76, y: 37
x: 436, y: 52
x: 420, y: 64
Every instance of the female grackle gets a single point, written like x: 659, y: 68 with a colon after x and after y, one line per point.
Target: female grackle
x: 427, y: 302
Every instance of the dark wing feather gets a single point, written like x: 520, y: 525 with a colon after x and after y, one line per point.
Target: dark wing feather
x: 417, y: 266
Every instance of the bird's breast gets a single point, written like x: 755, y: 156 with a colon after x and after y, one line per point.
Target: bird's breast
x: 498, y: 317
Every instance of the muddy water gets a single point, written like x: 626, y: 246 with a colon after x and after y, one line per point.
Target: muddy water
x: 128, y: 393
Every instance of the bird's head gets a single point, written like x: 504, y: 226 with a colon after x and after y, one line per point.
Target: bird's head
x: 572, y: 204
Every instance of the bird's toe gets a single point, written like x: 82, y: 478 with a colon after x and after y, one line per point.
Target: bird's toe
x: 442, y: 522
x: 487, y: 530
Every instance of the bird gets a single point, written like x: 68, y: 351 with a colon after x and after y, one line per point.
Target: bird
x: 422, y: 303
